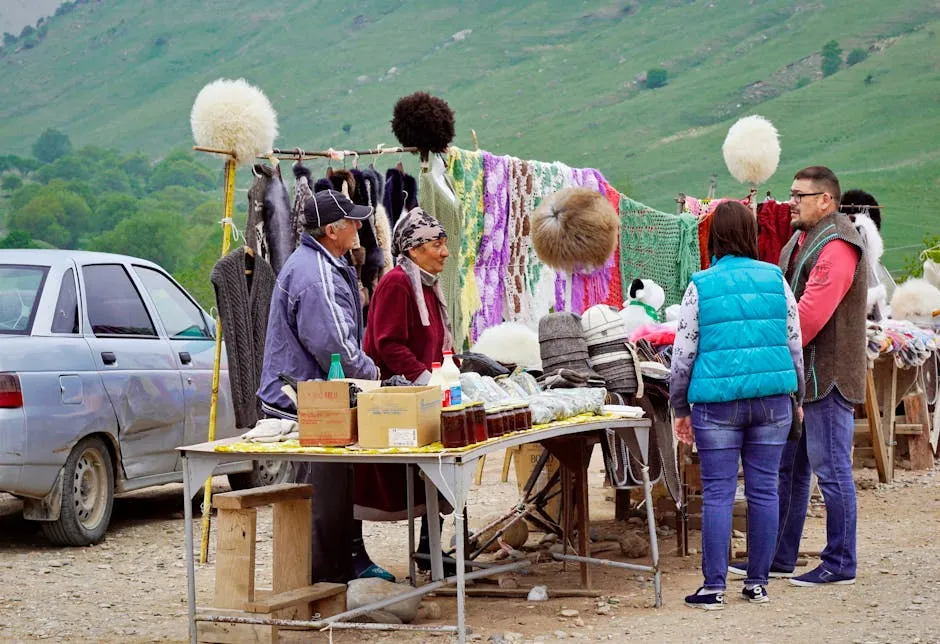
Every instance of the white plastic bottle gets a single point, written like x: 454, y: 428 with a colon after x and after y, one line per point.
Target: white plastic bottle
x: 437, y: 380
x: 452, y: 378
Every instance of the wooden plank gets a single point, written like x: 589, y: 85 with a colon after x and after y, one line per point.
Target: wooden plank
x: 235, y: 558
x: 584, y: 540
x: 258, y: 496
x: 910, y: 429
x: 291, y: 548
x: 916, y: 412
x: 303, y: 595
x: 478, y: 475
x: 507, y: 460
x: 887, y: 380
x: 216, y: 633
x: 874, y: 426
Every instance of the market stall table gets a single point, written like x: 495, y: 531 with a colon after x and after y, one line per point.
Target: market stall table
x: 448, y: 471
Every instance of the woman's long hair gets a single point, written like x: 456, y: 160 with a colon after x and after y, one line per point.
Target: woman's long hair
x: 733, y: 231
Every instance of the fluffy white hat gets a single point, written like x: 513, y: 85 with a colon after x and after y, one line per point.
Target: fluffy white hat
x: 511, y: 343
x: 915, y: 300
x: 234, y: 115
x: 752, y: 150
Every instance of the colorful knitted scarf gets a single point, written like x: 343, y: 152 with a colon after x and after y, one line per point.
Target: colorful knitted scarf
x: 493, y: 254
x: 466, y: 169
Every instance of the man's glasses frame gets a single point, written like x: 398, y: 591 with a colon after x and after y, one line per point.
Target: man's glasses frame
x: 798, y: 196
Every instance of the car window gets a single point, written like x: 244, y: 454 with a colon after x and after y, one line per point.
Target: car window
x: 20, y: 287
x: 65, y: 319
x: 114, y: 305
x: 180, y: 316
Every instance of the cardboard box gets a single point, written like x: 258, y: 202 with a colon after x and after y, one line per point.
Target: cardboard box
x: 324, y: 415
x: 399, y: 417
x: 526, y: 457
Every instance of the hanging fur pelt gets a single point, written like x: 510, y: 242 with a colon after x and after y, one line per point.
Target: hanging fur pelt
x: 575, y: 230
x: 383, y: 235
x: 874, y: 249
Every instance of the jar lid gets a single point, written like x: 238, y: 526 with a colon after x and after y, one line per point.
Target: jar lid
x: 454, y: 408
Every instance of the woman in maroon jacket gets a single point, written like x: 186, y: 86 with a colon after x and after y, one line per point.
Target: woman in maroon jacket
x: 408, y: 330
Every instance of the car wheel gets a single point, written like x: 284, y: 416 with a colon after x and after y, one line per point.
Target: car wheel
x: 87, y: 496
x: 263, y: 473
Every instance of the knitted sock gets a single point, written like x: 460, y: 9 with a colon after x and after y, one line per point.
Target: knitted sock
x: 752, y: 586
x: 710, y: 591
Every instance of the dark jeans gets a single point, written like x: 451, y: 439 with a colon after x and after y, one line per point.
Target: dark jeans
x: 826, y: 449
x: 754, y: 430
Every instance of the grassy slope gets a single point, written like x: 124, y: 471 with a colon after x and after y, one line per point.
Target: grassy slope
x: 538, y: 79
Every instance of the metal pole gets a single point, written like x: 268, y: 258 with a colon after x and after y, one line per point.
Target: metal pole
x: 654, y: 544
x: 424, y: 590
x: 461, y: 576
x: 410, y: 495
x: 601, y: 562
x: 190, y: 565
x: 214, y: 403
x: 290, y: 624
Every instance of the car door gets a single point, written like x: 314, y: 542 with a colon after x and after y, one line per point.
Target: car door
x: 137, y: 368
x: 192, y: 340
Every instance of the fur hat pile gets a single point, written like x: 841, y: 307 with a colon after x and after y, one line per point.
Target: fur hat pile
x: 234, y: 115
x: 423, y: 121
x: 510, y: 343
x: 752, y: 150
x: 575, y: 230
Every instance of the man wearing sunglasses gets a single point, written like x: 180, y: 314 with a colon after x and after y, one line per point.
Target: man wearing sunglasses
x: 823, y: 264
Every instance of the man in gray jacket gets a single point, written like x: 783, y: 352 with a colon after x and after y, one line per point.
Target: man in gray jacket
x: 315, y: 312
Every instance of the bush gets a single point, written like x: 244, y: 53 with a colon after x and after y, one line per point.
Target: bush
x: 856, y: 56
x: 831, y: 58
x: 803, y: 81
x: 51, y: 145
x: 656, y: 77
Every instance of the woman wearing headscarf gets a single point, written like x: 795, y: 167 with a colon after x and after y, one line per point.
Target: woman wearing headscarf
x: 407, y: 331
x: 738, y: 359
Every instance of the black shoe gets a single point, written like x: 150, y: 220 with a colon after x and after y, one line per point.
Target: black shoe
x: 739, y: 567
x: 756, y: 595
x: 706, y: 601
x: 424, y: 565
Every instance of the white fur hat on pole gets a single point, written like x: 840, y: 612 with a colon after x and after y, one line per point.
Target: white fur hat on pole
x: 234, y: 115
x: 752, y: 150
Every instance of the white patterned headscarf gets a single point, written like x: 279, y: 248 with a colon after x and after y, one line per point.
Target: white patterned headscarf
x: 413, y: 229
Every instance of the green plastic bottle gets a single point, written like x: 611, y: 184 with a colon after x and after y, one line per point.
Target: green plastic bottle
x: 336, y: 368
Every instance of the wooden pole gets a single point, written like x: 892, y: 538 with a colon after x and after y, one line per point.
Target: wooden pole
x: 214, y: 401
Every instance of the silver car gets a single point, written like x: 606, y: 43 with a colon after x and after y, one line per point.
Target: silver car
x: 105, y: 368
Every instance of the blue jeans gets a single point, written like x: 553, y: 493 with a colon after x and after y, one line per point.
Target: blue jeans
x: 755, y: 430
x: 826, y: 449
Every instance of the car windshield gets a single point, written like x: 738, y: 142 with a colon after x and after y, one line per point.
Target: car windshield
x: 20, y: 287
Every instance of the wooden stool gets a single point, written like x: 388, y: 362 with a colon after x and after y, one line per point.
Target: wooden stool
x: 292, y: 595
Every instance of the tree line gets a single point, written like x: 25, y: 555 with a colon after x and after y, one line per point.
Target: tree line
x: 93, y: 198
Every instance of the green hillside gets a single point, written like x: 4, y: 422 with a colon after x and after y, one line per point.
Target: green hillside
x: 538, y: 79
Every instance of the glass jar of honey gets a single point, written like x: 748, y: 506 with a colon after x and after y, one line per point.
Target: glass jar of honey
x: 476, y: 423
x: 454, y: 426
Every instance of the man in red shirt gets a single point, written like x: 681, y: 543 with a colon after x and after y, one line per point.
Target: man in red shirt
x: 823, y: 265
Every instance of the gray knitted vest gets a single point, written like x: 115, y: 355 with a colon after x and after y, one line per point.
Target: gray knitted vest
x: 244, y: 317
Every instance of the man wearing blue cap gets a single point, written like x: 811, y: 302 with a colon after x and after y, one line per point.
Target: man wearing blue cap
x: 316, y: 311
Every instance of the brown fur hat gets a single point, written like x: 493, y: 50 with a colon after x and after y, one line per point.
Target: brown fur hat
x: 575, y: 230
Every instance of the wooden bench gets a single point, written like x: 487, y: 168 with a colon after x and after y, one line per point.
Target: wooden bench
x: 292, y: 596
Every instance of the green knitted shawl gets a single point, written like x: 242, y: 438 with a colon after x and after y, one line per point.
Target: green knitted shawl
x: 466, y: 169
x: 658, y: 246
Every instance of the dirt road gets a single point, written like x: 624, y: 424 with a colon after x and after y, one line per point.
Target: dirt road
x: 131, y: 588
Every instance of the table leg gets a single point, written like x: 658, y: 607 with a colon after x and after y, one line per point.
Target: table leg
x: 461, y: 580
x: 190, y: 563
x: 434, y: 530
x: 410, y: 492
x: 583, y: 518
x: 654, y: 544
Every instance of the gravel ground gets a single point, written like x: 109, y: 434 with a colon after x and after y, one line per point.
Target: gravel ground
x: 131, y: 588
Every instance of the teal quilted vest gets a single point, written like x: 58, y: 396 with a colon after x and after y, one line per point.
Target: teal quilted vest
x: 742, y: 347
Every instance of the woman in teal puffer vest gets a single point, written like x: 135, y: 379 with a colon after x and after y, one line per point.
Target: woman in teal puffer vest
x: 737, y: 360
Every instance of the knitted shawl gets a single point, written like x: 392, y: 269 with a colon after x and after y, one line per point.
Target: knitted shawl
x: 442, y: 207
x: 244, y: 317
x: 516, y: 280
x: 493, y: 254
x: 588, y: 289
x: 658, y: 246
x: 545, y: 284
x: 466, y: 169
x: 615, y: 294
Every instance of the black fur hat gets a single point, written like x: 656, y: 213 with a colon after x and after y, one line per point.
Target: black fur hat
x: 424, y: 122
